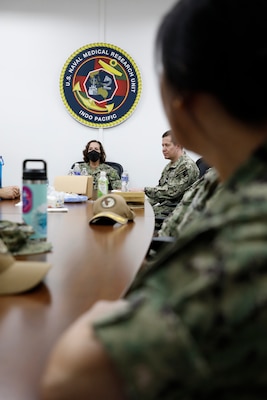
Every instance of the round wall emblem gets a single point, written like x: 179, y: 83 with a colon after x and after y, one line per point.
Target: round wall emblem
x: 100, y: 85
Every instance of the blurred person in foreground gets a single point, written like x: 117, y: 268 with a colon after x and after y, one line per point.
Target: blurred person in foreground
x: 194, y: 326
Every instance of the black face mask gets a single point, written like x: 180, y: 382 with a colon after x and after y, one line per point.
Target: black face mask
x: 93, y: 156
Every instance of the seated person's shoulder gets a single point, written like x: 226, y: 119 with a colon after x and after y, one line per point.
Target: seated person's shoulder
x: 109, y: 169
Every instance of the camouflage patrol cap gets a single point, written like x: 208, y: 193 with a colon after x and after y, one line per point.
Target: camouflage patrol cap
x: 16, y: 237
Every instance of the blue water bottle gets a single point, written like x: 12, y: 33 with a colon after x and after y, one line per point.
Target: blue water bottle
x: 34, y: 197
x: 1, y: 164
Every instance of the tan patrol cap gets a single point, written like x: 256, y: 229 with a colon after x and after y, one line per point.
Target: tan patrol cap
x: 110, y: 209
x: 19, y: 276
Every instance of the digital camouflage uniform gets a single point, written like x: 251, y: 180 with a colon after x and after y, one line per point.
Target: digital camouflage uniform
x: 17, y: 238
x: 196, y: 323
x: 111, y: 174
x: 175, y: 179
x: 198, y: 197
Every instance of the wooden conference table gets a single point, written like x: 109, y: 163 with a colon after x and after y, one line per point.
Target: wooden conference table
x: 88, y: 263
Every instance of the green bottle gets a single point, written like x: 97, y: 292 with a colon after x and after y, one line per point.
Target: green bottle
x: 102, y: 185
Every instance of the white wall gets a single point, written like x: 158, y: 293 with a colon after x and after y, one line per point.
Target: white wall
x: 37, y: 37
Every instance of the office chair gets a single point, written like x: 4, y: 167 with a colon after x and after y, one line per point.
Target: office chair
x: 118, y: 167
x: 157, y: 244
x: 202, y: 166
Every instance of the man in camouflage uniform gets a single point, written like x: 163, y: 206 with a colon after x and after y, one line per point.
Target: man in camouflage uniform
x: 176, y: 177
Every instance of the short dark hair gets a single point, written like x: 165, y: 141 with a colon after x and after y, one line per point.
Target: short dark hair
x: 169, y: 133
x: 218, y: 47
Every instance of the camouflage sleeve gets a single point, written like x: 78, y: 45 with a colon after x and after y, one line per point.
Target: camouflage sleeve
x: 199, y: 312
x: 196, y: 322
x: 95, y: 173
x: 174, y: 181
x: 112, y: 176
x: 152, y: 348
x: 170, y: 223
x: 193, y: 202
x: 86, y: 166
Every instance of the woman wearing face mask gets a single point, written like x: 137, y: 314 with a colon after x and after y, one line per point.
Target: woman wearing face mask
x: 94, y: 161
